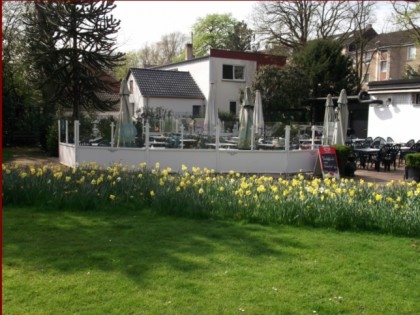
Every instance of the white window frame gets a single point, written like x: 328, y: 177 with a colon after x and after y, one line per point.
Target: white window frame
x: 367, y: 57
x: 384, y: 68
x: 234, y: 72
x: 411, y: 52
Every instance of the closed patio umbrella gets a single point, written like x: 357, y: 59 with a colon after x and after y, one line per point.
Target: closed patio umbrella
x: 211, y: 116
x: 328, y: 121
x: 126, y: 132
x: 338, y: 137
x: 245, y: 121
x: 258, y: 118
x: 343, y: 112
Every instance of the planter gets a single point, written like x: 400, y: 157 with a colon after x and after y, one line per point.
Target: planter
x: 412, y: 173
x: 346, y: 162
x: 412, y: 168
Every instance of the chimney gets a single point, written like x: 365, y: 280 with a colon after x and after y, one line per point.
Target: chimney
x: 188, y: 51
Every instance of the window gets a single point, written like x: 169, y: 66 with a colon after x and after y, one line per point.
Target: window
x: 384, y: 65
x: 131, y: 86
x: 232, y: 107
x: 233, y: 72
x: 366, y: 78
x: 196, y: 111
x: 411, y: 53
x: 367, y: 57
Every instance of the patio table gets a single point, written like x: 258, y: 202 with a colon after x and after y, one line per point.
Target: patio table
x: 365, y: 154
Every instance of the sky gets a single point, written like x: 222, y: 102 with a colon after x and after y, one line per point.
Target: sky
x: 146, y: 21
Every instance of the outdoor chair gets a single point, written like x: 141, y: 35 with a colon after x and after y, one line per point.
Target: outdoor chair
x: 409, y: 143
x: 391, y: 158
x: 367, y: 143
x: 382, y: 157
x: 389, y: 140
x: 378, y: 142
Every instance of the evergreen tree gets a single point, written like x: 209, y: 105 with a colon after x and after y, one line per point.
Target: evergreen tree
x: 284, y: 91
x: 72, y: 46
x: 328, y: 70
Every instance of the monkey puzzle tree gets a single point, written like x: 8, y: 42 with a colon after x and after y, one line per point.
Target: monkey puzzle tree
x: 72, y: 46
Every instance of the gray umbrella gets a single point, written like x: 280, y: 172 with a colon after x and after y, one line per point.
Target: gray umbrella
x: 245, y: 121
x: 343, y: 112
x: 338, y: 137
x: 126, y: 132
x: 210, y: 118
x: 258, y: 118
x: 328, y: 121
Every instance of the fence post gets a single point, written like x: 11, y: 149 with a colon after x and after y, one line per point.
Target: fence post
x: 76, y: 132
x: 287, y: 140
x: 147, y: 135
x: 112, y: 134
x: 67, y: 131
x: 313, y: 138
x: 59, y: 131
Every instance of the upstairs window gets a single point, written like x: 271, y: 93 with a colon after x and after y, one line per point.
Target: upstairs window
x: 384, y: 65
x: 411, y: 53
x: 367, y: 57
x: 231, y: 72
x: 131, y: 87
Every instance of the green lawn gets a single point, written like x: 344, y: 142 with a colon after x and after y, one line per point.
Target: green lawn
x: 6, y: 154
x: 32, y: 152
x: 130, y: 262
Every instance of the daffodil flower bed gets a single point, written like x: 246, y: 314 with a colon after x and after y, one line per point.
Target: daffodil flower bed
x: 342, y: 204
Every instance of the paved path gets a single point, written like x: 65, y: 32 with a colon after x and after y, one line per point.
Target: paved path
x: 370, y: 175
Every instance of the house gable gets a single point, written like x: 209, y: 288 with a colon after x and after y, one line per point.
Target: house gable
x: 166, y: 84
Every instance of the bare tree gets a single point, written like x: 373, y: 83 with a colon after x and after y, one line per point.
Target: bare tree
x: 165, y: 51
x: 361, y: 35
x: 407, y: 14
x: 171, y: 46
x: 292, y: 24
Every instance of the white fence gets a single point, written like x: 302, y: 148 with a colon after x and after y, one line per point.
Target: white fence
x: 221, y: 160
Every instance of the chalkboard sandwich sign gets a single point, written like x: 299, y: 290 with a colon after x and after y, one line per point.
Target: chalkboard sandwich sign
x: 328, y: 162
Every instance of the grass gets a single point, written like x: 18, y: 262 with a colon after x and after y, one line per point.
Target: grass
x: 136, y: 262
x: 6, y: 154
x: 32, y: 153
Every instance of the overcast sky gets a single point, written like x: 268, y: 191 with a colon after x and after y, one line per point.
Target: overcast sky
x: 146, y: 21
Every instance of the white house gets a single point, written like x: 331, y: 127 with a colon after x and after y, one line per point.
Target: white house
x: 172, y: 90
x: 399, y: 115
x: 229, y: 71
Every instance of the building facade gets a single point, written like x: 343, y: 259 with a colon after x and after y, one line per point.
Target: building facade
x: 229, y: 71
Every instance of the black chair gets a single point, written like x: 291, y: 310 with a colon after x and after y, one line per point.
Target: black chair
x: 389, y: 140
x: 382, y: 157
x: 409, y: 143
x: 378, y: 143
x: 391, y: 158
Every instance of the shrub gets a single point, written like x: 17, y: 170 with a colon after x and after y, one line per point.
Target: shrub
x: 413, y: 160
x: 343, y: 154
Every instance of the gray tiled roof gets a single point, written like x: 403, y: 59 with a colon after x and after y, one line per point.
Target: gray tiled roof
x: 163, y: 83
x: 399, y: 38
